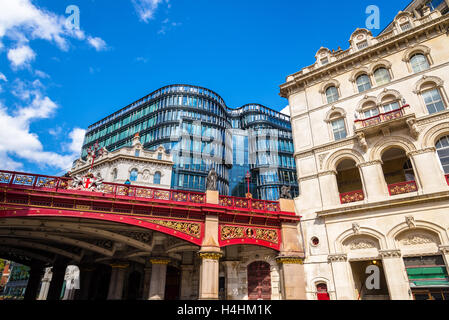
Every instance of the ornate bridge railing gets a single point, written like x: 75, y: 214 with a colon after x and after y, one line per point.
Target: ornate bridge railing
x: 65, y: 185
x: 61, y: 184
x: 245, y: 203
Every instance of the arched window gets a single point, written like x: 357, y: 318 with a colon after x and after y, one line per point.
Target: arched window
x: 363, y: 83
x: 433, y: 100
x: 157, y: 178
x: 443, y: 153
x: 371, y: 113
x: 332, y: 94
x: 391, y: 106
x: 382, y: 76
x: 419, y: 63
x: 321, y: 292
x: 133, y: 175
x: 339, y: 129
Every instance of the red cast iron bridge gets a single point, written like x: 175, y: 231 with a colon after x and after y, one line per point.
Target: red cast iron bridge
x: 180, y: 214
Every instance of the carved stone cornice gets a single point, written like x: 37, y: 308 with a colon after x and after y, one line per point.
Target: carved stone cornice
x: 289, y: 260
x: 327, y: 173
x: 385, y: 254
x: 370, y: 163
x: 210, y: 255
x: 338, y: 257
x: 311, y: 177
x: 422, y: 151
x: 444, y: 249
x: 386, y: 47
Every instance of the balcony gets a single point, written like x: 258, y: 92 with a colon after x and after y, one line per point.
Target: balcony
x: 402, y: 188
x: 353, y: 196
x: 396, y: 118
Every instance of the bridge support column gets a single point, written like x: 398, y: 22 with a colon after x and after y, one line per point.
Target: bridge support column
x: 86, y: 273
x: 57, y: 280
x: 291, y: 260
x: 117, y: 280
x: 210, y: 254
x: 36, y: 273
x: 146, y: 283
x: 158, y: 278
x: 186, y: 281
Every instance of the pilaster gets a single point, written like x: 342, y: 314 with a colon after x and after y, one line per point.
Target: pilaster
x: 158, y: 278
x: 427, y: 168
x: 394, y: 270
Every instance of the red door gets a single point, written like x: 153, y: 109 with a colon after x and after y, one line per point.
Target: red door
x: 259, y: 281
x: 321, y: 292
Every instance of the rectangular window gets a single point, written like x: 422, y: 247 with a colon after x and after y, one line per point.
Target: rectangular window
x: 362, y: 45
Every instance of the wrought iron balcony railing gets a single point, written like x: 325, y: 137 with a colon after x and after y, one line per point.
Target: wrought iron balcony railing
x: 402, y: 188
x: 380, y: 118
x: 353, y: 196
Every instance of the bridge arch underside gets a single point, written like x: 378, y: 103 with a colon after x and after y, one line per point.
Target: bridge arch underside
x: 34, y: 237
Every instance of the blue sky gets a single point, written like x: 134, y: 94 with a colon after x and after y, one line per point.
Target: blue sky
x: 55, y: 82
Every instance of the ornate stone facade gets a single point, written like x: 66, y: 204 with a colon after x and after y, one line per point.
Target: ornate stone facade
x: 146, y: 168
x: 388, y: 198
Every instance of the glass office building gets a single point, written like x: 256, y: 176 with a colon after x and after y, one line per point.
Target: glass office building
x: 200, y: 131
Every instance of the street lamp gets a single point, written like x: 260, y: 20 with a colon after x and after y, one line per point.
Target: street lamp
x: 248, y: 177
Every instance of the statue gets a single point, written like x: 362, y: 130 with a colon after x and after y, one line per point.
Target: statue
x: 97, y: 183
x: 285, y: 192
x: 211, y: 182
x: 77, y: 182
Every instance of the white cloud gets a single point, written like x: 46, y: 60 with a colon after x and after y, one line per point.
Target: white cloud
x: 3, y: 77
x: 17, y: 140
x: 98, y: 43
x: 41, y: 74
x: 21, y: 56
x: 146, y: 8
x: 22, y: 21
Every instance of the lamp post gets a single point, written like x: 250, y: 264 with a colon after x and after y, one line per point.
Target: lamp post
x: 248, y: 177
x: 93, y: 151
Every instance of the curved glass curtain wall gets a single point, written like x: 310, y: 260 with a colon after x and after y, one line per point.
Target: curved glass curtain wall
x: 201, y: 132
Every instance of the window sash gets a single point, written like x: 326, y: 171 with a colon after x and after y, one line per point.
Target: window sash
x: 363, y: 83
x: 339, y: 129
x: 391, y: 106
x: 433, y: 101
x: 332, y: 94
x: 419, y: 63
x: 382, y: 76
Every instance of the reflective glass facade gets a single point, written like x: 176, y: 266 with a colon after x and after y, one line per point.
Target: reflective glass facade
x: 201, y: 132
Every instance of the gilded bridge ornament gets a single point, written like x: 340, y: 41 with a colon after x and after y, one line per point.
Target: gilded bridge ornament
x: 192, y: 229
x: 238, y: 232
x: 290, y: 260
x: 210, y: 255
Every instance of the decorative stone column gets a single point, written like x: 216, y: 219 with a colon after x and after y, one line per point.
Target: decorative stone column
x: 209, y: 275
x: 344, y: 290
x: 329, y: 188
x: 232, y: 280
x: 374, y: 180
x: 428, y: 170
x: 57, y: 280
x: 291, y: 262
x: 158, y: 278
x: 394, y: 270
x: 292, y: 277
x: 46, y: 280
x: 118, y: 273
x: 186, y: 281
x: 36, y: 273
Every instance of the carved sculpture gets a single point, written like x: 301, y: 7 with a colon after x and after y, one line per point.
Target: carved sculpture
x: 211, y: 182
x: 286, y: 192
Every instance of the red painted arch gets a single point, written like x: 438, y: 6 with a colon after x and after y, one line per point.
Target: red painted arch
x: 122, y: 219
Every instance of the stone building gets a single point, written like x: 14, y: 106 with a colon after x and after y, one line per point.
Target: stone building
x: 140, y: 166
x: 371, y: 135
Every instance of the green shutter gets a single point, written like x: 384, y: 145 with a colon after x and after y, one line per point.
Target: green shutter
x: 430, y: 276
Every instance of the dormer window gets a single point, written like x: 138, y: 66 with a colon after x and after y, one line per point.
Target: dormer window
x: 406, y: 26
x: 137, y: 153
x: 362, y: 45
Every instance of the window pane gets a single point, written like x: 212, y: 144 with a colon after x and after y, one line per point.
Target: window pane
x: 371, y: 113
x: 339, y: 129
x: 382, y: 76
x: 332, y: 94
x: 419, y: 63
x: 363, y: 83
x: 391, y: 106
x: 433, y: 101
